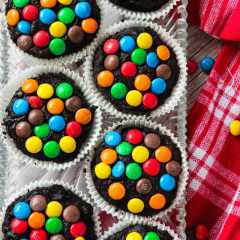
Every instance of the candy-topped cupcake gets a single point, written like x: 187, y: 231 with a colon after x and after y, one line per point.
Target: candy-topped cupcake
x: 49, y: 29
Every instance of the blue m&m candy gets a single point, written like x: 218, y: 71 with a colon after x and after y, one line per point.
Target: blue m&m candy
x: 152, y: 60
x: 167, y: 182
x: 127, y: 44
x: 24, y: 27
x: 118, y: 169
x: 22, y: 210
x: 57, y: 123
x: 113, y: 138
x: 83, y: 10
x: 47, y: 16
x: 207, y: 64
x: 158, y: 86
x: 20, y: 106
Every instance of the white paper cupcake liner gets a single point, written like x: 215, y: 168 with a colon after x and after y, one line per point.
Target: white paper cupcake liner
x: 125, y: 224
x: 121, y: 214
x: 178, y: 89
x: 47, y: 183
x: 16, y: 82
x: 67, y: 59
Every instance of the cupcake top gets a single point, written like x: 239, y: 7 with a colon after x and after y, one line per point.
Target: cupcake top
x: 49, y: 213
x: 136, y: 169
x: 48, y: 118
x: 135, y: 70
x: 141, y: 232
x: 51, y: 28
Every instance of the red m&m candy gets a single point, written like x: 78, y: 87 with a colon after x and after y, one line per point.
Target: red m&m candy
x: 151, y: 167
x: 111, y: 46
x: 129, y: 69
x: 73, y: 129
x: 41, y: 39
x: 150, y: 100
x: 201, y: 232
x: 134, y: 136
x: 35, y: 102
x: 19, y: 226
x: 30, y: 12
x: 192, y: 66
x: 38, y: 235
x: 78, y: 229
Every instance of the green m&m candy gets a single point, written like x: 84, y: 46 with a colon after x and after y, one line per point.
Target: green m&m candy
x: 20, y: 3
x: 54, y: 225
x: 42, y: 130
x: 64, y: 90
x: 133, y: 171
x: 124, y: 148
x: 66, y: 15
x: 151, y: 236
x: 119, y: 90
x: 51, y: 149
x: 57, y: 46
x: 139, y: 56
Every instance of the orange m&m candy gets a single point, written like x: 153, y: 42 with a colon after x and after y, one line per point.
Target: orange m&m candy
x: 116, y: 191
x: 142, y: 82
x: 157, y: 201
x: 105, y: 78
x: 163, y: 154
x: 36, y: 220
x: 48, y: 3
x: 83, y: 116
x: 108, y: 156
x: 30, y: 86
x: 55, y: 106
x: 163, y: 52
x: 89, y: 25
x: 13, y: 17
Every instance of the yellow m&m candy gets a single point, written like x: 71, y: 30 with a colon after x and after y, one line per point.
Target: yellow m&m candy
x: 144, y: 40
x: 57, y: 29
x: 135, y: 205
x: 163, y: 52
x: 65, y: 2
x: 54, y: 209
x: 67, y: 144
x: 79, y: 238
x: 13, y: 17
x: 102, y: 170
x: 33, y: 144
x: 140, y: 154
x: 109, y: 156
x: 45, y: 91
x: 235, y: 128
x: 134, y: 98
x: 134, y: 236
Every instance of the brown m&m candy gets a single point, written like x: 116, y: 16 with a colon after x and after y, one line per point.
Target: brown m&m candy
x: 58, y: 237
x: 71, y: 214
x: 76, y: 34
x: 111, y: 62
x: 23, y: 129
x: 36, y: 117
x: 152, y: 140
x: 73, y: 104
x: 144, y: 186
x: 38, y: 203
x: 163, y: 71
x: 173, y: 168
x: 25, y: 42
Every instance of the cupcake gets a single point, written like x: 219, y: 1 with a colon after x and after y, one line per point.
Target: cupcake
x: 137, y: 68
x: 49, y: 211
x: 48, y: 118
x: 51, y: 29
x: 137, y: 170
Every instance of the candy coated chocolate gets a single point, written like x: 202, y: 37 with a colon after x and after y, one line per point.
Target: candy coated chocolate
x: 152, y: 140
x: 73, y: 104
x: 58, y: 237
x: 25, y: 42
x: 143, y: 186
x: 76, y: 34
x: 111, y: 62
x: 36, y: 117
x: 163, y: 71
x: 71, y: 214
x: 38, y: 203
x: 173, y: 168
x: 23, y: 129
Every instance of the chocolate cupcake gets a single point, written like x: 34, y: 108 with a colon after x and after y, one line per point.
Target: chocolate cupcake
x: 49, y: 210
x: 137, y: 68
x: 49, y: 119
x: 51, y: 29
x: 136, y: 169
